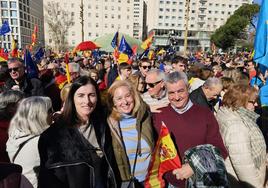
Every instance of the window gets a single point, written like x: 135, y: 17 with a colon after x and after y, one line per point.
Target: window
x: 105, y: 25
x: 89, y: 34
x: 119, y: 16
x: 4, y: 13
x: 112, y: 7
x: 112, y: 16
x: 14, y: 21
x: 3, y: 4
x: 161, y: 9
x: 127, y: 26
x: 97, y: 15
x: 73, y: 33
x: 105, y: 15
x: 13, y: 4
x: 72, y: 13
x: 112, y: 26
x: 72, y: 5
x: 97, y: 25
x: 160, y: 17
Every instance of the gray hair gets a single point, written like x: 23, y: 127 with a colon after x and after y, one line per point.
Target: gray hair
x: 160, y: 74
x: 31, y: 115
x: 212, y: 82
x: 10, y: 97
x: 175, y: 77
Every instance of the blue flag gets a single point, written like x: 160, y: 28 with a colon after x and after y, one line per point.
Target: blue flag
x: 144, y: 54
x: 31, y: 67
x: 5, y: 28
x: 114, y: 42
x: 39, y: 54
x: 261, y: 39
x: 124, y: 47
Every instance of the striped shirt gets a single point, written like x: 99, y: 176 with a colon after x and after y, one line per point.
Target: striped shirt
x: 130, y: 138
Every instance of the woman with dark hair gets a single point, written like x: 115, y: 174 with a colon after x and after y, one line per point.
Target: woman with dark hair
x: 73, y: 151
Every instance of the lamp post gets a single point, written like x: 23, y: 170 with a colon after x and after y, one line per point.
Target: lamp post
x: 82, y: 18
x: 187, y: 6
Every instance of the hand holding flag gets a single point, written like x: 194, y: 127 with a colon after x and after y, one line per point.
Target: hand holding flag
x: 164, y: 158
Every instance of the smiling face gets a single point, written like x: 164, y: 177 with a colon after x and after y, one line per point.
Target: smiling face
x: 85, y: 100
x: 178, y: 94
x: 123, y: 100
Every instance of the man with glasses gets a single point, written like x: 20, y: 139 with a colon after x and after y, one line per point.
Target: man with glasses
x: 189, y: 124
x: 156, y: 96
x: 18, y: 79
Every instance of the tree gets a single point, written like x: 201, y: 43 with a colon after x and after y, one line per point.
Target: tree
x: 235, y: 27
x: 59, y: 21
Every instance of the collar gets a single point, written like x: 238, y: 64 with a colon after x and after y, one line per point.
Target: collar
x: 185, y: 109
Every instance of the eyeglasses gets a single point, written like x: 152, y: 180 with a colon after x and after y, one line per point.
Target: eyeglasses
x: 252, y: 102
x: 145, y: 67
x: 15, y: 69
x: 152, y: 85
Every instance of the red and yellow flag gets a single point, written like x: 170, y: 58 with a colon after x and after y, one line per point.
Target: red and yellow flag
x: 34, y: 35
x: 66, y: 60
x: 164, y: 159
x: 3, y: 55
x: 147, y: 43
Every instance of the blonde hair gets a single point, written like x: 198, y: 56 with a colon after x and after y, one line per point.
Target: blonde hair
x: 64, y: 92
x: 31, y: 116
x: 110, y: 103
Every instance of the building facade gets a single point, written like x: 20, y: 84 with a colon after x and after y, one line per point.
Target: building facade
x: 167, y: 19
x: 22, y: 16
x: 100, y: 17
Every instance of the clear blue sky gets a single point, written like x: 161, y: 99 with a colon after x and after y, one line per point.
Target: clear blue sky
x: 257, y: 1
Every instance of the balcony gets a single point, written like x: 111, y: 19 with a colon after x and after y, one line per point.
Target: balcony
x: 203, y: 1
x: 202, y: 8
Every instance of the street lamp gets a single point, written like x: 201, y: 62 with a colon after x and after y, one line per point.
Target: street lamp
x: 187, y: 6
x: 82, y: 18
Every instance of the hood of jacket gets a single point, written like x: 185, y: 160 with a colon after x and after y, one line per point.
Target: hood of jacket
x: 16, y: 138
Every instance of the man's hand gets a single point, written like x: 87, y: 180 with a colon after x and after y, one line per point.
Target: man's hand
x: 184, y: 172
x: 155, y: 108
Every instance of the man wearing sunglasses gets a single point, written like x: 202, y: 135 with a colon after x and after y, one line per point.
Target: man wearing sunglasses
x: 156, y: 96
x: 18, y: 79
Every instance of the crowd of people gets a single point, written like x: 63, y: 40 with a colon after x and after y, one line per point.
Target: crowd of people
x: 100, y: 129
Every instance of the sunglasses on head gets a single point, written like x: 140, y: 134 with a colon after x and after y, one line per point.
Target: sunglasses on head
x: 15, y: 69
x: 152, y: 85
x: 145, y: 67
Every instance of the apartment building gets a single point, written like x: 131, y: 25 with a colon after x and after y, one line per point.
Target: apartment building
x: 22, y: 16
x: 100, y: 17
x: 167, y: 19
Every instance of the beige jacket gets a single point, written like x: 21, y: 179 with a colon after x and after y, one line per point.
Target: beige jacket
x: 246, y: 146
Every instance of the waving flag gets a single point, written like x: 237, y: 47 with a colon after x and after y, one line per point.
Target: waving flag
x: 66, y: 60
x: 148, y: 42
x: 31, y: 67
x: 115, y: 40
x: 124, y: 47
x: 164, y: 158
x: 3, y: 55
x: 34, y: 35
x: 261, y: 39
x: 115, y: 43
x: 39, y: 54
x: 4, y: 28
x: 14, y: 47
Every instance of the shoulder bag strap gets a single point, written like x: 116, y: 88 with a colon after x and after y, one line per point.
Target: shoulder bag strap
x: 21, y: 146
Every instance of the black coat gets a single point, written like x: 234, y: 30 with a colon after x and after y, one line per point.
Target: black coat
x: 30, y: 87
x: 68, y: 160
x: 198, y: 97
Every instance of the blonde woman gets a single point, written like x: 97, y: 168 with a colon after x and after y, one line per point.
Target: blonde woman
x: 132, y: 132
x: 33, y: 116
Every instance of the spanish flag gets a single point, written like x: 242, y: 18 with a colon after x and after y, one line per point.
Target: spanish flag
x: 66, y: 60
x: 3, y: 55
x: 34, y: 35
x: 164, y: 159
x: 147, y: 43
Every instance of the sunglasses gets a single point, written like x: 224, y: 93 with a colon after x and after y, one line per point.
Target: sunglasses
x: 152, y: 85
x: 15, y: 69
x: 145, y: 67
